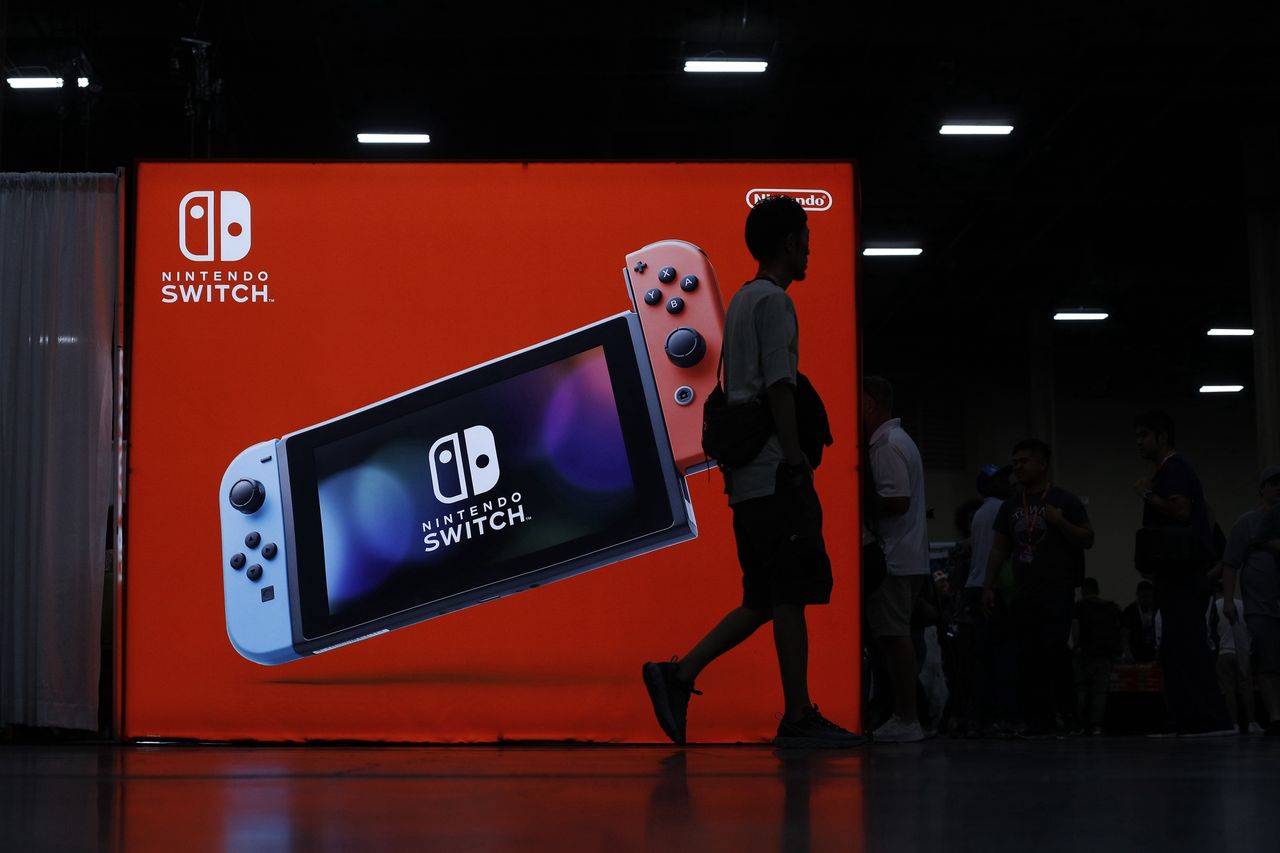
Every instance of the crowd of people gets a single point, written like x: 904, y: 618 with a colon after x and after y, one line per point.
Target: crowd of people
x: 1029, y: 645
x: 1019, y: 653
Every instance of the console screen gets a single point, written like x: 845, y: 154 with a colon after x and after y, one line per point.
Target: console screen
x: 507, y: 469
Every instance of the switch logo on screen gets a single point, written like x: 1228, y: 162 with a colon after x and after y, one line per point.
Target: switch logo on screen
x: 215, y: 225
x: 464, y: 464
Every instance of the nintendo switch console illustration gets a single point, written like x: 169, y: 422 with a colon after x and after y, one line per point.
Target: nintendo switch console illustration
x: 560, y: 458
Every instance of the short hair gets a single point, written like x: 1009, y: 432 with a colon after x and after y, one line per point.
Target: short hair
x: 1089, y: 585
x: 1035, y: 445
x: 1158, y: 422
x: 879, y: 389
x: 997, y: 485
x: 770, y: 223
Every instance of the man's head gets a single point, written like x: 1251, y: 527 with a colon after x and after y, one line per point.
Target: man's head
x: 1031, y: 458
x: 1154, y: 433
x: 1269, y: 485
x: 877, y: 402
x: 1146, y: 595
x: 778, y: 236
x: 993, y: 481
x: 1089, y: 588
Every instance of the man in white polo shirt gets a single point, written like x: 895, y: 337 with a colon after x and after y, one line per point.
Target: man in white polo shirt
x: 896, y: 520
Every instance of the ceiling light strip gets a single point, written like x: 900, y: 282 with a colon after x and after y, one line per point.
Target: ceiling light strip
x: 393, y: 138
x: 725, y: 66
x: 976, y: 129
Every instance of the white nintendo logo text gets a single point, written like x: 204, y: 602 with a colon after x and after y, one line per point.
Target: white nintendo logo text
x: 819, y: 200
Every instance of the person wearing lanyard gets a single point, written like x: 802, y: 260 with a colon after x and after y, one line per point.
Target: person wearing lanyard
x: 1174, y: 514
x: 1047, y: 531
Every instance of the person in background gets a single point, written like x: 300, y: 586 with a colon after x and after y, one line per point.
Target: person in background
x: 1234, y: 679
x: 1174, y: 547
x: 977, y: 692
x: 1047, y: 531
x: 1096, y: 636
x: 902, y: 533
x: 1140, y: 625
x: 1251, y: 560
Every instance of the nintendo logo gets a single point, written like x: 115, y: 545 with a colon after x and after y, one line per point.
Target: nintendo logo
x: 449, y: 476
x: 809, y: 199
x: 197, y: 237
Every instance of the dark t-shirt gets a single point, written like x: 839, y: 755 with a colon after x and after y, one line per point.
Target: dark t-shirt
x: 1043, y: 557
x: 1142, y: 636
x: 1177, y: 477
x: 1100, y: 628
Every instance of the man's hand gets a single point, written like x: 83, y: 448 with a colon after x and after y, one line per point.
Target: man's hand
x: 988, y: 601
x: 1229, y: 611
x: 1142, y: 487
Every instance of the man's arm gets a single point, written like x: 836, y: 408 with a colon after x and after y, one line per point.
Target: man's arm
x: 999, y: 550
x: 1177, y: 507
x: 782, y: 406
x: 1229, y: 593
x: 1080, y: 535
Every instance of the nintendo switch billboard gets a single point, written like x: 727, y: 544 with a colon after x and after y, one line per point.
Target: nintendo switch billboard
x: 415, y: 455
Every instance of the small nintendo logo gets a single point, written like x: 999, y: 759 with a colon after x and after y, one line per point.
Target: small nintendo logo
x: 450, y: 476
x: 809, y: 199
x: 198, y: 239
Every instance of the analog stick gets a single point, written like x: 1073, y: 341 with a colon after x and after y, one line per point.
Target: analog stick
x: 685, y: 347
x: 247, y: 496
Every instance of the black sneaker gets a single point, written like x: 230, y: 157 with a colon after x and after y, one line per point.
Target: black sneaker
x: 814, y: 731
x: 670, y: 697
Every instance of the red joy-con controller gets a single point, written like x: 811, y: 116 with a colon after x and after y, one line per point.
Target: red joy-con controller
x: 675, y: 292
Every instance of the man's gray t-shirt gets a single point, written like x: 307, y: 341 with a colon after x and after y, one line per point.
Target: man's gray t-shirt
x: 761, y: 347
x: 1259, y: 573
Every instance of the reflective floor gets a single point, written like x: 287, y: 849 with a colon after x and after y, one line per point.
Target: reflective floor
x: 943, y: 796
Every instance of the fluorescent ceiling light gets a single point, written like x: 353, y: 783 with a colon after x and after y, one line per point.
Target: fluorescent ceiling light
x: 976, y: 129
x: 82, y: 82
x: 871, y: 253
x: 1080, y: 315
x: 36, y: 82
x: 1220, y: 389
x: 394, y: 138
x: 1223, y: 333
x: 725, y: 66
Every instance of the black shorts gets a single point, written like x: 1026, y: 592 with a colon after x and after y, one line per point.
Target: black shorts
x: 780, y: 548
x: 1264, y: 638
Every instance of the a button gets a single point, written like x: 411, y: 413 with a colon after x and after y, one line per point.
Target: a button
x: 247, y: 496
x: 640, y: 266
x: 652, y: 296
x: 269, y: 550
x: 255, y: 572
x: 237, y: 561
x: 684, y: 395
x: 253, y: 540
x: 666, y: 275
x: 675, y: 305
x: 689, y: 283
x: 685, y: 347
x: 268, y: 593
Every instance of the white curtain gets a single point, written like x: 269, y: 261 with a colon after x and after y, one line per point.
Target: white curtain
x: 59, y: 263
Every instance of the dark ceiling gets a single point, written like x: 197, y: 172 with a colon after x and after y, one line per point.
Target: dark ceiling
x: 1123, y: 185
